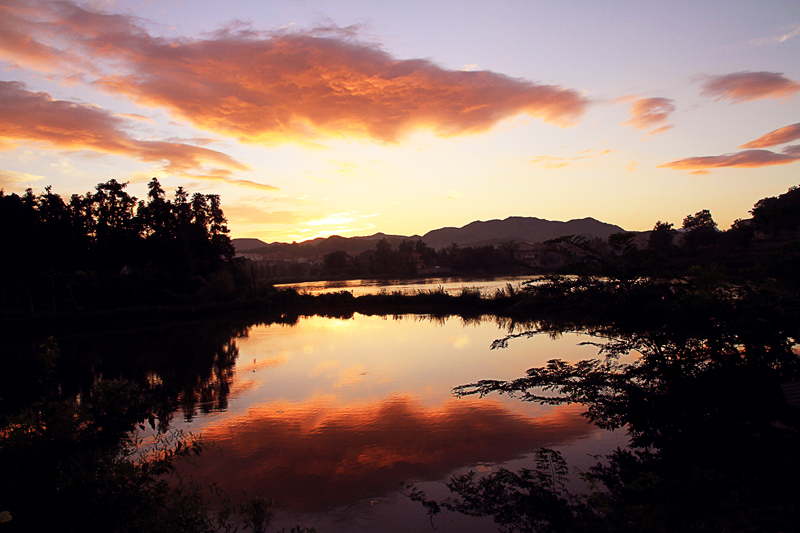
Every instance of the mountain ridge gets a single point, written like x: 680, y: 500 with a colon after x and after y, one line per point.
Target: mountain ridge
x: 476, y: 233
x: 530, y: 229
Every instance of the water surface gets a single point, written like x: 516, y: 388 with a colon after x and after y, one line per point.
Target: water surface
x: 452, y: 285
x: 333, y: 416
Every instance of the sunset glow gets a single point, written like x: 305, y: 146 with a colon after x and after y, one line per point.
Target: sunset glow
x: 318, y: 118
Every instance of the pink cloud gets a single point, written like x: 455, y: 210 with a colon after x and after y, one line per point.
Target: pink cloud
x: 744, y: 159
x: 272, y: 87
x: 35, y: 117
x: 17, y: 39
x: 792, y: 150
x: 662, y: 129
x: 649, y: 113
x: 745, y: 86
x: 781, y: 135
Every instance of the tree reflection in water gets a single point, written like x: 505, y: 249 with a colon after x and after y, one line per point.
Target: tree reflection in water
x: 714, y: 444
x: 70, y: 458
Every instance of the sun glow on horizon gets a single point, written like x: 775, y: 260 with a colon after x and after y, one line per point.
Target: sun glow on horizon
x: 300, y: 125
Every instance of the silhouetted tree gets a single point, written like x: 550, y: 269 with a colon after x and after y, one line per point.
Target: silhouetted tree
x: 157, y: 244
x: 701, y: 219
x: 661, y: 236
x: 703, y: 455
x: 383, y: 260
x: 782, y: 214
x: 336, y: 262
x: 701, y: 230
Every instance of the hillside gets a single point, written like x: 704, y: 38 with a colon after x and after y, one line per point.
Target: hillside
x: 518, y: 229
x: 317, y: 247
x: 244, y: 245
x: 478, y: 233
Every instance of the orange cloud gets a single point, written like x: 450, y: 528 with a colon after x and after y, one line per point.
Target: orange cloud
x: 27, y: 116
x: 17, y: 42
x: 662, y: 129
x: 272, y: 87
x: 651, y: 113
x: 781, y: 135
x: 316, y: 455
x: 224, y: 175
x: 303, y: 86
x: 744, y: 159
x: 745, y: 86
x: 135, y: 117
x: 9, y: 177
x: 48, y: 36
x: 552, y: 161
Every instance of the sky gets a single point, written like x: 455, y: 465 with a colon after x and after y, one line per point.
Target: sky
x: 313, y: 118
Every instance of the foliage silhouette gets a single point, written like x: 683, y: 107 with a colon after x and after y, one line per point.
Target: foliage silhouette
x: 108, y: 249
x: 661, y: 236
x: 692, y: 370
x: 525, y: 501
x: 77, y: 462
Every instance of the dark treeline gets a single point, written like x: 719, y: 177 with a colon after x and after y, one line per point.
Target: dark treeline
x: 761, y: 245
x: 761, y: 252
x: 404, y: 259
x: 761, y: 248
x: 107, y: 249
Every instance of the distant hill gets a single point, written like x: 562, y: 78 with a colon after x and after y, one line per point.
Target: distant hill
x: 492, y: 232
x: 243, y: 245
x: 317, y: 248
x: 518, y: 229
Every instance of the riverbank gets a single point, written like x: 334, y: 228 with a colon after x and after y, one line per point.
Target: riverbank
x: 284, y: 305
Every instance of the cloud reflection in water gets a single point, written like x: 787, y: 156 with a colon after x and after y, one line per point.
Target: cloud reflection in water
x: 315, y: 455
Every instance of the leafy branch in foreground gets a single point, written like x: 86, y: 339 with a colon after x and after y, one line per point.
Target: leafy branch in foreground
x: 524, y: 501
x: 693, y: 375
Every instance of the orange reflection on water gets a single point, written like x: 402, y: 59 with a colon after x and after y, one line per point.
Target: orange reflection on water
x: 370, y: 357
x: 317, y: 454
